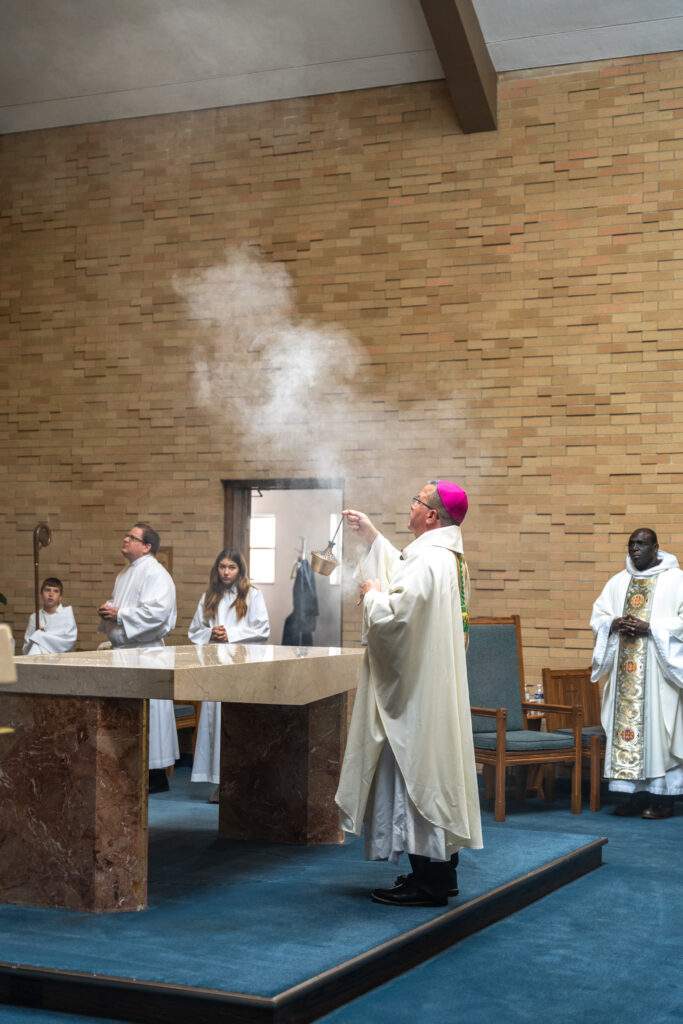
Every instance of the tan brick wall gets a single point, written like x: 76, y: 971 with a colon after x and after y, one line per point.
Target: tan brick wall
x: 517, y: 295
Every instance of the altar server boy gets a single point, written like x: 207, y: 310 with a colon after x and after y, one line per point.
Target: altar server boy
x: 56, y: 632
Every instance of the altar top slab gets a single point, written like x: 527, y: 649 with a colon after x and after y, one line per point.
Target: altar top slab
x: 243, y: 673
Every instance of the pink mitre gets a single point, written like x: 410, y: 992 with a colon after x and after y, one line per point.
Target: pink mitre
x: 454, y: 499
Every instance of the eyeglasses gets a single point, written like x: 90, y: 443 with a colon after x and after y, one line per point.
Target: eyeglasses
x: 418, y: 501
x: 131, y: 536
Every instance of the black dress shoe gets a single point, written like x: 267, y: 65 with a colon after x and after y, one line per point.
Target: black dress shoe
x: 401, y: 879
x: 158, y: 781
x: 633, y: 804
x: 655, y: 812
x: 407, y: 895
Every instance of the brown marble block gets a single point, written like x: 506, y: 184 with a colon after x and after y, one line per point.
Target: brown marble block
x: 280, y: 769
x: 73, y: 803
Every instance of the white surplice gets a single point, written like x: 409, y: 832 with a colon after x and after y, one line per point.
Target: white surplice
x: 409, y: 776
x: 144, y: 594
x: 57, y: 634
x: 663, y: 722
x: 254, y: 627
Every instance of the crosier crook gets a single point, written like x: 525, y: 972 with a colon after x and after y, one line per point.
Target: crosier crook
x: 42, y: 535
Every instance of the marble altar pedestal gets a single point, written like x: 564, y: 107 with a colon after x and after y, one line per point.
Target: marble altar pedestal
x: 73, y: 803
x: 73, y: 774
x: 279, y: 771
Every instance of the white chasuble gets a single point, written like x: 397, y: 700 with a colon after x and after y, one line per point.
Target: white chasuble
x: 57, y: 634
x: 409, y: 770
x: 642, y: 710
x: 254, y: 627
x: 144, y: 594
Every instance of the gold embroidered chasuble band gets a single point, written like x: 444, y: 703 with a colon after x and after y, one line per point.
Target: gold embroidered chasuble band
x: 464, y: 591
x: 628, y: 742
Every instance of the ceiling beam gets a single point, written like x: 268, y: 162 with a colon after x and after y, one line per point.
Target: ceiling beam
x: 469, y: 70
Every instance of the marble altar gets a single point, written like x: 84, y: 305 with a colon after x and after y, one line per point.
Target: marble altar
x: 73, y: 777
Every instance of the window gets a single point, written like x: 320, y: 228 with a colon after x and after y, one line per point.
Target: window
x: 262, y: 548
x: 335, y: 577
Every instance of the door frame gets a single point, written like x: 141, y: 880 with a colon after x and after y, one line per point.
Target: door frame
x: 237, y: 509
x: 237, y: 502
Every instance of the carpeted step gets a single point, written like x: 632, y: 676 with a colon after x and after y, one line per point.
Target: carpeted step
x: 24, y: 1015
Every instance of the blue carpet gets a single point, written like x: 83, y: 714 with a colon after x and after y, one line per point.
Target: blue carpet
x: 248, y: 917
x: 604, y: 949
x: 24, y: 1015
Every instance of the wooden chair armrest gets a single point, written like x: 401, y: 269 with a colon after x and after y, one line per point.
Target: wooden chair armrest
x: 562, y: 709
x: 500, y: 715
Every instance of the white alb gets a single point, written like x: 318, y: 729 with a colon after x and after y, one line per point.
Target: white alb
x: 57, y: 634
x: 144, y: 593
x: 254, y: 627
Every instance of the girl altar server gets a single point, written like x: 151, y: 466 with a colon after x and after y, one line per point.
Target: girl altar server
x: 231, y: 611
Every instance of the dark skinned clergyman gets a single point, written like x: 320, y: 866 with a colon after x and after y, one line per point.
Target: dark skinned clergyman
x: 638, y: 626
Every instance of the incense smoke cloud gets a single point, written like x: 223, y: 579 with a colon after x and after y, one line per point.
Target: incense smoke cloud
x: 284, y: 384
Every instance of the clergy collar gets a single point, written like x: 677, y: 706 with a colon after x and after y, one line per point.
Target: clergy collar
x: 667, y: 562
x: 449, y: 537
x: 142, y: 558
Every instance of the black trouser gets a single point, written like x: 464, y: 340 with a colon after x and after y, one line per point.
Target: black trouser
x: 643, y: 798
x: 158, y: 780
x: 435, y: 877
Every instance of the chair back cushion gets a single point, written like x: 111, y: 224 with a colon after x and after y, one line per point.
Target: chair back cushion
x: 493, y: 673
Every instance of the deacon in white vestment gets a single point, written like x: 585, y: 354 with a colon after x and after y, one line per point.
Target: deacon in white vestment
x: 56, y: 632
x: 225, y: 626
x: 140, y: 613
x: 638, y: 655
x: 409, y: 777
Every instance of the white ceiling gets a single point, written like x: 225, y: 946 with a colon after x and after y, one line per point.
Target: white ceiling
x: 542, y: 33
x: 75, y: 61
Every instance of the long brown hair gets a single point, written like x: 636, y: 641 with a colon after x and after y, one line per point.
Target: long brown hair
x: 217, y: 589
